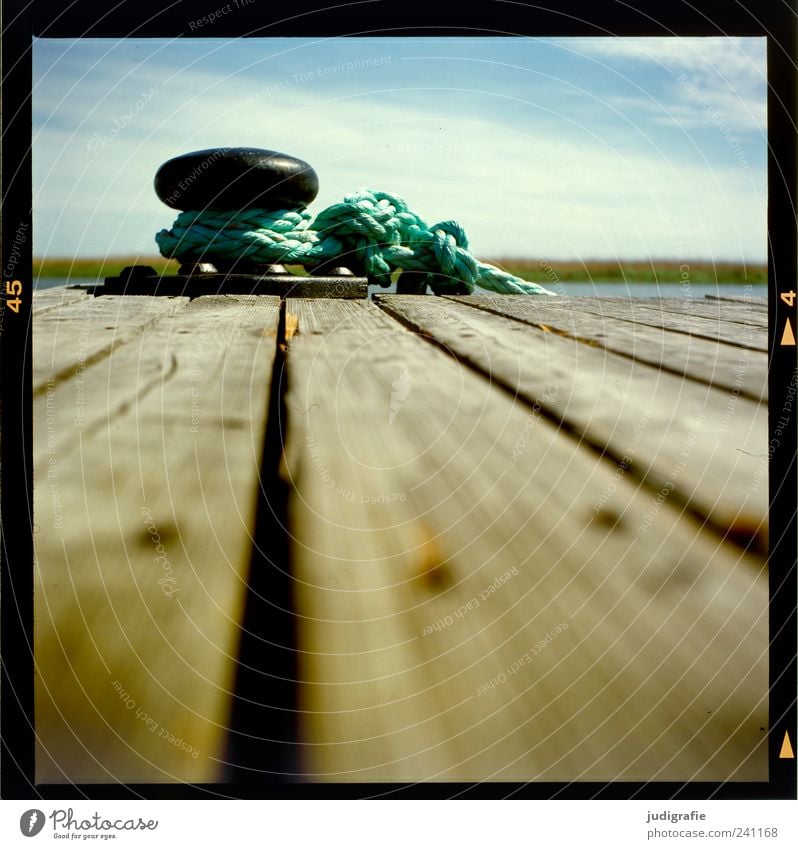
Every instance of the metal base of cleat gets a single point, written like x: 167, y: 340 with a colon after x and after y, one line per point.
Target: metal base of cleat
x: 144, y: 280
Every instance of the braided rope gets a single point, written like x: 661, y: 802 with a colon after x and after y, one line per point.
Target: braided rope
x: 375, y: 228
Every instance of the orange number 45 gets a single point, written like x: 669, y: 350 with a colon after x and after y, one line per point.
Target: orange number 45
x: 14, y: 288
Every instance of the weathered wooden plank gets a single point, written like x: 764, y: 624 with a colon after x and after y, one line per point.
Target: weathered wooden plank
x: 47, y: 299
x: 696, y: 358
x: 638, y: 311
x: 755, y: 303
x: 738, y: 312
x: 67, y: 339
x: 146, y: 478
x: 477, y: 596
x: 703, y: 446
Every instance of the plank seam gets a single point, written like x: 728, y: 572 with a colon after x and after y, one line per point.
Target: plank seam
x: 589, y: 309
x: 650, y: 322
x: 740, y: 537
x: 618, y: 350
x: 263, y: 733
x: 36, y: 312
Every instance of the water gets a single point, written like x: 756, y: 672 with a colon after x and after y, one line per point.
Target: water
x: 587, y: 289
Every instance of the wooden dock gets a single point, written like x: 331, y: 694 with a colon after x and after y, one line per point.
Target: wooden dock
x: 519, y: 538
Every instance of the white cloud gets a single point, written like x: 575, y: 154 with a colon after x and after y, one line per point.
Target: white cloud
x: 713, y: 79
x: 518, y: 190
x: 732, y: 58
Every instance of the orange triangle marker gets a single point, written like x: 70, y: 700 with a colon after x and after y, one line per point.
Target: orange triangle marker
x: 786, y: 747
x: 788, y: 337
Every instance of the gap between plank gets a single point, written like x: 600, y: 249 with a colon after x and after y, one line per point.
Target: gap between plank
x: 615, y: 350
x: 742, y: 538
x: 263, y: 744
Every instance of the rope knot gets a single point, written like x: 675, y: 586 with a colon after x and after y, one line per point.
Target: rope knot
x: 377, y: 229
x: 450, y: 245
x: 365, y: 224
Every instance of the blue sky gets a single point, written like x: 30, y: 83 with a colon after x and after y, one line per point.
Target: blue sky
x: 542, y: 148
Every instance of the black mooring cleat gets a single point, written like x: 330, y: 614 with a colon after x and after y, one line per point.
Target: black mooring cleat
x: 236, y: 178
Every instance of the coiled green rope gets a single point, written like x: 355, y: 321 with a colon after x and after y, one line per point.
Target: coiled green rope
x: 375, y: 228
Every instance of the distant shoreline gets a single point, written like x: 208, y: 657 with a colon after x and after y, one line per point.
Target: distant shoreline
x: 544, y: 272
x: 634, y: 271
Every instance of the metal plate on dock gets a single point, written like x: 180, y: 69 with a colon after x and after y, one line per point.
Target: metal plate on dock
x: 197, y: 285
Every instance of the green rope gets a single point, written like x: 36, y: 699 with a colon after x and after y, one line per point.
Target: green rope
x: 376, y: 229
